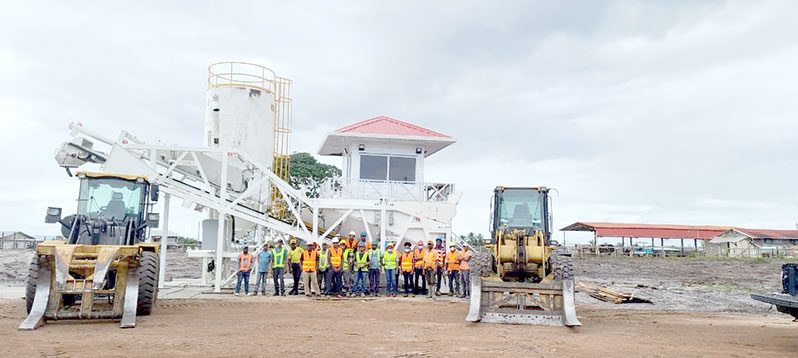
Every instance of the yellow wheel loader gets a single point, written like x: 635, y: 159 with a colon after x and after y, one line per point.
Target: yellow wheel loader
x: 520, y: 277
x: 104, y: 268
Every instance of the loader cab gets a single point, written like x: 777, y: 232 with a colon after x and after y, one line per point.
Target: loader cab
x: 112, y: 198
x: 520, y: 208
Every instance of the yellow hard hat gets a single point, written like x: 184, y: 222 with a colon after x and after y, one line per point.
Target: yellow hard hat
x: 293, y: 241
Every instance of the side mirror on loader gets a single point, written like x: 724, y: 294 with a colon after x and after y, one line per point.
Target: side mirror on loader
x: 53, y: 215
x: 154, y: 191
x: 153, y: 219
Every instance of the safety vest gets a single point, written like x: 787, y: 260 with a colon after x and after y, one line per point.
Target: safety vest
x: 347, y: 254
x: 279, y: 258
x: 246, y: 261
x: 389, y: 260
x: 420, y: 257
x: 361, y: 261
x: 452, y: 262
x: 309, y: 261
x: 336, y: 257
x: 407, y: 261
x: 324, y: 259
x: 430, y: 259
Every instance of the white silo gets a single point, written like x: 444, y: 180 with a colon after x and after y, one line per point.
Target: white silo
x: 240, y: 109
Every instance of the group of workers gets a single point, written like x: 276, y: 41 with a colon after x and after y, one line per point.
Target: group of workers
x: 353, y: 267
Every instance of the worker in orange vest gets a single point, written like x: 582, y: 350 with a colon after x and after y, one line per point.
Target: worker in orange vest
x: 309, y: 266
x: 336, y: 267
x: 452, y: 263
x: 244, y: 268
x: 406, y: 262
x: 430, y: 266
x: 418, y: 269
x: 465, y: 270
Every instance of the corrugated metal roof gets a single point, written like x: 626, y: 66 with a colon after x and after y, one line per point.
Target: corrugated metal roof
x: 390, y: 126
x: 664, y: 231
x: 769, y: 233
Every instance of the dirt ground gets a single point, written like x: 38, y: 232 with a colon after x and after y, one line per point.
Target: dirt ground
x: 294, y: 326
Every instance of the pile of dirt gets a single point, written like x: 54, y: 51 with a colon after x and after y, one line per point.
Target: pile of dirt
x: 683, y: 284
x: 14, y: 267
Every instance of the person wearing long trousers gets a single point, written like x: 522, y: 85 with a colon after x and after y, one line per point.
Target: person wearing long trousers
x: 406, y: 262
x: 295, y: 257
x: 390, y: 261
x: 430, y: 266
x: 279, y: 258
x: 375, y: 261
x: 336, y: 267
x: 324, y: 268
x: 465, y: 270
x: 362, y: 269
x: 452, y: 264
x: 244, y: 269
x: 264, y: 261
x: 439, y: 270
x: 418, y: 270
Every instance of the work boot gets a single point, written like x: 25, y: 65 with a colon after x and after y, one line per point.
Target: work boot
x: 276, y: 294
x: 237, y: 292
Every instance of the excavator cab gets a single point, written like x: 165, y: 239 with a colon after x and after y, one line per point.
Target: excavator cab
x: 104, y: 268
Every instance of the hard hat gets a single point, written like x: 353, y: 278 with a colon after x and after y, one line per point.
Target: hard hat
x: 352, y: 233
x: 429, y: 242
x: 293, y: 241
x: 363, y: 234
x: 390, y: 244
x: 420, y: 242
x: 246, y: 248
x: 452, y: 245
x: 439, y: 238
x: 335, y: 240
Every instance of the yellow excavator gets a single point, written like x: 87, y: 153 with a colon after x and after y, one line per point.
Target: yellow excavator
x: 522, y: 277
x: 105, y: 268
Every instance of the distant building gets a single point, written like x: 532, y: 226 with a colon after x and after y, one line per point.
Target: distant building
x: 754, y: 243
x: 17, y: 240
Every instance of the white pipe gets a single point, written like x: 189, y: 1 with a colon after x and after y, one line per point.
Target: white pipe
x: 76, y: 128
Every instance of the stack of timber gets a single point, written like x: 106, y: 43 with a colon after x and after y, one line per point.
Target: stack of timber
x: 607, y: 295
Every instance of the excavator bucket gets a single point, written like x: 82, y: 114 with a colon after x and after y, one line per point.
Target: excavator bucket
x: 547, y: 303
x: 85, y: 282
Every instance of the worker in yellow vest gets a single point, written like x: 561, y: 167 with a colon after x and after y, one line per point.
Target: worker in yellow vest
x: 430, y: 266
x: 390, y: 260
x: 279, y: 258
x: 336, y: 266
x: 452, y: 263
x: 418, y: 269
x: 406, y: 262
x: 362, y: 269
x: 309, y: 267
x: 244, y: 268
x: 346, y: 277
x: 325, y: 273
x: 295, y: 258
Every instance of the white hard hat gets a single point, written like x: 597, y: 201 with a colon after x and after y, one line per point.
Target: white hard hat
x: 352, y: 233
x: 335, y: 240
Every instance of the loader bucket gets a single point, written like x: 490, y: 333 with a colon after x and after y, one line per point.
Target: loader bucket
x: 548, y: 304
x: 85, y: 282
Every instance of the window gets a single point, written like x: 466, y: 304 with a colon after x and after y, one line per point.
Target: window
x: 382, y: 167
x: 373, y: 167
x: 402, y: 169
x: 110, y: 198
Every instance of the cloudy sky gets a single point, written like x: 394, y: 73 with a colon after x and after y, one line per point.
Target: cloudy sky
x: 656, y: 111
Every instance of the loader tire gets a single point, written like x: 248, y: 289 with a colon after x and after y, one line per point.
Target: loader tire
x: 33, y: 276
x: 562, y: 267
x: 482, y: 263
x: 148, y: 283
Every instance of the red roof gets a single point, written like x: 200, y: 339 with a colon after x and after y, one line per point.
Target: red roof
x: 768, y: 234
x: 604, y: 229
x: 390, y: 126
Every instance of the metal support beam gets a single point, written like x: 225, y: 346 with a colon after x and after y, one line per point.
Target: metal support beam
x: 315, y: 235
x: 164, y: 239
x: 383, y: 239
x: 220, y: 239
